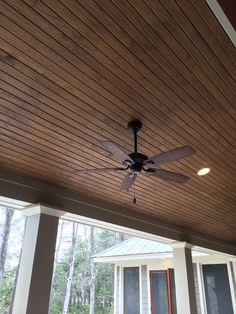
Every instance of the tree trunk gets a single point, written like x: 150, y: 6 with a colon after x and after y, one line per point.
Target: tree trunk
x: 59, y: 241
x: 92, y: 271
x: 71, y: 269
x: 121, y: 237
x: 56, y: 256
x: 5, y: 238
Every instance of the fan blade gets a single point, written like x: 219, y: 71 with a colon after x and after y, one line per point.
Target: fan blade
x: 116, y: 152
x: 100, y: 170
x: 128, y: 182
x: 172, y: 155
x: 167, y: 175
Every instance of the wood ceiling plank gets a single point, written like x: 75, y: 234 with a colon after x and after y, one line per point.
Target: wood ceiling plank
x: 11, y: 154
x: 53, y: 113
x: 223, y: 62
x: 74, y: 73
x: 16, y: 162
x: 217, y: 30
x: 182, y: 74
x: 110, y: 26
x: 181, y: 197
x: 156, y: 56
x: 51, y: 136
x: 185, y: 29
x: 24, y: 80
x: 183, y: 55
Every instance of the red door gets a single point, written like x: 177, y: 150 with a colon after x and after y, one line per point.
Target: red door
x: 163, y: 300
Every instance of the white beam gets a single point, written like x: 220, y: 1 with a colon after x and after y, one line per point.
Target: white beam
x: 223, y: 19
x: 184, y: 280
x: 36, y: 264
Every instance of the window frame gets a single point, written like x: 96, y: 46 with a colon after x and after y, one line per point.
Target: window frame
x: 231, y: 285
x: 122, y: 270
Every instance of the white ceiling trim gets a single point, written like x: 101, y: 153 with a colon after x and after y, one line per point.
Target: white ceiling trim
x: 222, y: 18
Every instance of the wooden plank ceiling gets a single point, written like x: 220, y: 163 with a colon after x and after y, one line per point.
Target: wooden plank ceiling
x: 74, y: 73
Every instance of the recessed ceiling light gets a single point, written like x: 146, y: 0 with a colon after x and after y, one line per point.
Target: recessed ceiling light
x: 203, y: 171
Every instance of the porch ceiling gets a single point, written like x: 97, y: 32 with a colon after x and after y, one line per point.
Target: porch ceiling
x: 74, y: 73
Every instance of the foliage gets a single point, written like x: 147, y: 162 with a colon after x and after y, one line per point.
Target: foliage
x: 80, y: 288
x: 104, y: 287
x: 6, y: 291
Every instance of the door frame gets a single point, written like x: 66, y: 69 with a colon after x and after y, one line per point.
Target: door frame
x: 168, y: 287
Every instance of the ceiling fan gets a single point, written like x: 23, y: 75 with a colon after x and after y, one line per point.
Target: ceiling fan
x: 135, y: 163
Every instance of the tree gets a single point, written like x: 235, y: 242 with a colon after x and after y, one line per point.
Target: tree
x: 92, y: 271
x: 80, y: 286
x: 71, y: 264
x: 5, y: 237
x: 16, y: 275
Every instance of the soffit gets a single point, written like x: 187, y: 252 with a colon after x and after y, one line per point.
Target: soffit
x: 74, y: 73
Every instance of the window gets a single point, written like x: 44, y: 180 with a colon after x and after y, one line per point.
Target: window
x: 163, y: 299
x: 131, y: 290
x: 217, y: 289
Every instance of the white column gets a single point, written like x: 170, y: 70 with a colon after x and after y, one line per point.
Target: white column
x: 36, y: 264
x: 184, y: 280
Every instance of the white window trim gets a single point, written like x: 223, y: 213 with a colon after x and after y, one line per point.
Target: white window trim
x: 121, y: 286
x: 149, y: 289
x: 140, y: 291
x: 231, y: 284
x: 201, y: 289
x: 115, y: 289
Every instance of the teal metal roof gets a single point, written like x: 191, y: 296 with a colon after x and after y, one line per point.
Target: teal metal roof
x: 135, y: 246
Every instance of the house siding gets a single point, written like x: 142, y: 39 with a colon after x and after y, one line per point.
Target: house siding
x: 144, y: 285
x: 197, y: 291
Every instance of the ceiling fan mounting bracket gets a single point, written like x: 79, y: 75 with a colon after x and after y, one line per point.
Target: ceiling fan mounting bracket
x: 135, y: 126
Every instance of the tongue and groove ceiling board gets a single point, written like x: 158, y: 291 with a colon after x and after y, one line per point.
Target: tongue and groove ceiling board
x: 74, y: 73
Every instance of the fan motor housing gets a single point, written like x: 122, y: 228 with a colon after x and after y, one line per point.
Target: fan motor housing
x: 138, y: 157
x: 139, y: 160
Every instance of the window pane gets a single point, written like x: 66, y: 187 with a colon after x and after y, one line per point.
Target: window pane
x: 131, y: 290
x: 159, y: 293
x: 217, y: 289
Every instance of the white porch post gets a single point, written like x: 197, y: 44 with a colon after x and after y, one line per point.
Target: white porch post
x: 184, y: 280
x: 36, y: 264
